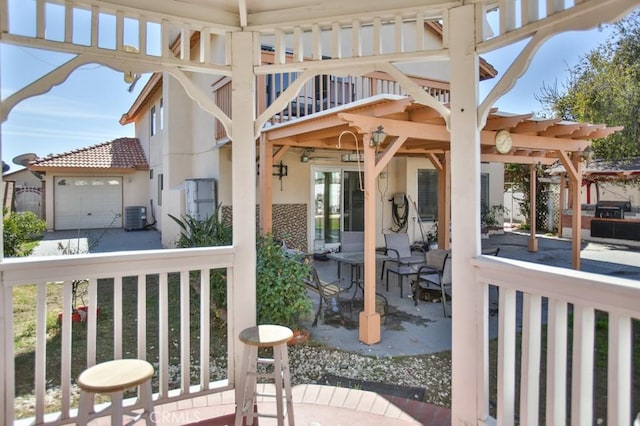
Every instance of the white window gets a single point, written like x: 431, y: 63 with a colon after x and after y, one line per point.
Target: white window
x: 152, y: 120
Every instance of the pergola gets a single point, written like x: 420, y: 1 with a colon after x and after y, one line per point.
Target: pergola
x: 306, y: 35
x: 417, y: 130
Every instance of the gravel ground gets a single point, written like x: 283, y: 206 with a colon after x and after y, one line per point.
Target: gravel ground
x: 432, y: 372
x: 309, y: 363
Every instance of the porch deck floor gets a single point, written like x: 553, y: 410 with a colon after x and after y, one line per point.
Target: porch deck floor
x: 314, y: 405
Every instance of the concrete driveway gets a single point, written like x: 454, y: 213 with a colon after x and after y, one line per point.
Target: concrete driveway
x: 97, y: 241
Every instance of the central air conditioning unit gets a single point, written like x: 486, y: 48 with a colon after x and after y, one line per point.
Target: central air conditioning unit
x: 201, y: 198
x: 135, y: 218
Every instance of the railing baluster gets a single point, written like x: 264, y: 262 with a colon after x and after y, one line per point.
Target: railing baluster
x: 68, y: 22
x: 506, y: 356
x: 618, y: 367
x: 316, y: 42
x: 92, y: 322
x: 185, y: 336
x: 205, y: 328
x: 377, y: 36
x: 399, y: 34
x: 4, y: 13
x: 166, y: 42
x: 582, y: 366
x: 163, y: 335
x: 142, y: 317
x: 41, y: 19
x: 65, y: 348
x: 142, y: 35
x: 41, y: 348
x: 7, y: 353
x: 280, y: 54
x: 356, y: 41
x: 95, y: 25
x: 420, y: 34
x: 185, y: 43
x: 336, y: 41
x: 554, y: 6
x: 298, y: 46
x: 117, y: 317
x: 205, y: 46
x: 556, y: 363
x: 119, y: 30
x: 530, y: 371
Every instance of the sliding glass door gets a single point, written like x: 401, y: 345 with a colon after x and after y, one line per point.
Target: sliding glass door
x: 337, y: 205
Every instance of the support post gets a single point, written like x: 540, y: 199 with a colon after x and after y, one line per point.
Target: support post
x: 242, y: 296
x: 469, y: 353
x: 561, y: 201
x: 369, y: 328
x: 576, y: 218
x: 266, y: 186
x: 533, y: 177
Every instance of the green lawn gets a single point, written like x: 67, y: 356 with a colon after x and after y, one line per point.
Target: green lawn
x: 24, y: 326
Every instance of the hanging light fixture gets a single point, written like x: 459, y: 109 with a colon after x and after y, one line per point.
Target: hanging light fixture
x: 378, y: 136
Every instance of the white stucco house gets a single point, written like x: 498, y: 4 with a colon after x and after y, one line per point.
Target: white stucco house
x: 306, y: 37
x: 186, y: 147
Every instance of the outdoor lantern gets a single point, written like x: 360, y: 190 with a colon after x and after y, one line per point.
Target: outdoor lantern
x: 378, y: 136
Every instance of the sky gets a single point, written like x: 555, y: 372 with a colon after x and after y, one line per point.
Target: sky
x: 85, y: 109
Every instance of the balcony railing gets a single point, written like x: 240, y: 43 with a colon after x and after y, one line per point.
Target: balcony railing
x: 322, y: 93
x: 173, y: 334
x: 555, y: 324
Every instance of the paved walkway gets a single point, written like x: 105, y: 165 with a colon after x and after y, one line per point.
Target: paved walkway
x: 97, y: 241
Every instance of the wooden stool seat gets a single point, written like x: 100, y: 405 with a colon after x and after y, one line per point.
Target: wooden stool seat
x: 113, y: 378
x: 266, y: 335
x: 262, y: 336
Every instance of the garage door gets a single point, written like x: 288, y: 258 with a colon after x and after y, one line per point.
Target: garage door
x: 87, y: 202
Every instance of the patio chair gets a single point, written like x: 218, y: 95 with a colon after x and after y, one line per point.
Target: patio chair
x: 398, y: 248
x: 436, y: 274
x: 329, y: 292
x: 351, y: 241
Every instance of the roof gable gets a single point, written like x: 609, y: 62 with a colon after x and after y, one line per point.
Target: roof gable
x: 123, y: 154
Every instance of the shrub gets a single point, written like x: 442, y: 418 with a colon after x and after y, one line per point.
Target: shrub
x: 282, y: 297
x: 210, y: 232
x: 280, y: 291
x: 19, y: 229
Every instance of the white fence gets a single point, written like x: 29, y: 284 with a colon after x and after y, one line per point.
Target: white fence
x: 562, y: 323
x: 122, y: 276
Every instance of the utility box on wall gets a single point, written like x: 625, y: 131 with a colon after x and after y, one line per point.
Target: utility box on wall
x: 201, y: 197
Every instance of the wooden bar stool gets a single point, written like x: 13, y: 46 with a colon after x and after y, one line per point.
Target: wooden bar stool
x: 276, y: 337
x: 113, y: 378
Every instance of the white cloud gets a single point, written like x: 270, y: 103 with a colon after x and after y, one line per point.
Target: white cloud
x: 51, y: 106
x: 87, y: 135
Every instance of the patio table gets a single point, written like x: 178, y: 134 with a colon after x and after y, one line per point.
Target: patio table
x: 355, y: 260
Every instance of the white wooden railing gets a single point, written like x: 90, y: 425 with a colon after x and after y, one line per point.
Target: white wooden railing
x: 566, y: 303
x: 128, y: 275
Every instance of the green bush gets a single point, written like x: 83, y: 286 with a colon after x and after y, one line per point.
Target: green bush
x: 282, y: 297
x: 210, y: 232
x: 20, y: 229
x: 280, y: 291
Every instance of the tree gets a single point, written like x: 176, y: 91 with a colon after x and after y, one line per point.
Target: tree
x: 604, y: 87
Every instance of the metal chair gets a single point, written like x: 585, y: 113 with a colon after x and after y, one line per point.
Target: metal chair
x: 329, y: 293
x: 398, y: 248
x: 436, y: 274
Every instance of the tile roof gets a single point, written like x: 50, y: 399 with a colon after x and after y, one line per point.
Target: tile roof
x: 122, y: 153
